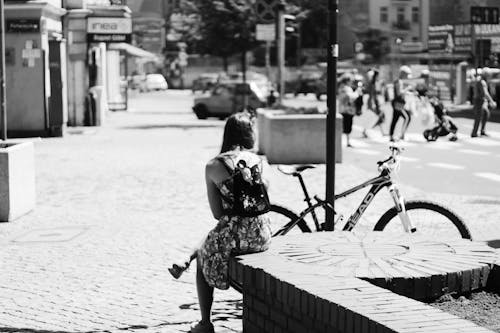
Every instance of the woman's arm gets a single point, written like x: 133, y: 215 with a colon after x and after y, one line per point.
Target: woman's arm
x: 212, y: 174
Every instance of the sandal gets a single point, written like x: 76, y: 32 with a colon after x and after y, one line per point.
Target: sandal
x: 177, y: 270
x: 202, y: 327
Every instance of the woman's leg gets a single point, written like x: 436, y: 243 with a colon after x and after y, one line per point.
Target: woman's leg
x: 205, y: 294
x: 485, y: 115
x: 406, y: 122
x: 395, y: 117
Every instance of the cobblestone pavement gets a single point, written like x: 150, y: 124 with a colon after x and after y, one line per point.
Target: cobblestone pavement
x: 117, y: 204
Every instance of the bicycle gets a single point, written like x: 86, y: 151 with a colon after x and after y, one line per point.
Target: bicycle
x: 412, y: 214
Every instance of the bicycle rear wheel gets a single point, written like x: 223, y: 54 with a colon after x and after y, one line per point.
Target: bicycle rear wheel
x: 428, y: 217
x: 281, y: 218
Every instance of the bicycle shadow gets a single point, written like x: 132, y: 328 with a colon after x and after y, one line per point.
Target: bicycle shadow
x: 494, y: 243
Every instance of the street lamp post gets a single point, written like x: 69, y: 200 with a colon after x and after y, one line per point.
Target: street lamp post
x: 3, y: 107
x: 332, y: 52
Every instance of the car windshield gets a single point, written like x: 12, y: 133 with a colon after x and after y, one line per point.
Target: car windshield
x: 155, y: 78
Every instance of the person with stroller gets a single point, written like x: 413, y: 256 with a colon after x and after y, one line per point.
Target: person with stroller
x: 399, y: 103
x: 445, y: 125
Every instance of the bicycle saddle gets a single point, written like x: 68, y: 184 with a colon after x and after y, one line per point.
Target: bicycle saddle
x: 295, y: 170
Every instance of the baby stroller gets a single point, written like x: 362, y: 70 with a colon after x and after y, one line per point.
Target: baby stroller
x: 444, y: 124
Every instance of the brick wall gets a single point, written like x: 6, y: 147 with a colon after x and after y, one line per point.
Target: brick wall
x: 276, y: 300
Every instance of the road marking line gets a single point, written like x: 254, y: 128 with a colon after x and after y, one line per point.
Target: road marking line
x: 479, y: 141
x: 488, y: 175
x: 446, y: 166
x: 409, y: 159
x: 360, y: 144
x: 365, y: 151
x: 444, y: 144
x: 474, y: 152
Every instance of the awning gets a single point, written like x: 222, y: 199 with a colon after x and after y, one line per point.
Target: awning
x: 133, y: 51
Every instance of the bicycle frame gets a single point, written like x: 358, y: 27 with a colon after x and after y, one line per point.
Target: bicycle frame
x: 377, y: 183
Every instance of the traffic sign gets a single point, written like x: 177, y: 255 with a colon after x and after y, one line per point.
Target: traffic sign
x: 266, y: 10
x: 266, y: 32
x: 484, y: 15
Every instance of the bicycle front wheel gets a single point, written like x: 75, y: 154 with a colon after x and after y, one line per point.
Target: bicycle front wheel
x: 428, y: 217
x: 281, y: 218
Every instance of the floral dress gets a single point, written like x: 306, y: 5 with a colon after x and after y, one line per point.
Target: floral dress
x: 233, y: 234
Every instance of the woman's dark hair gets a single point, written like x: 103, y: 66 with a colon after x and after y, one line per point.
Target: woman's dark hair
x: 238, y: 132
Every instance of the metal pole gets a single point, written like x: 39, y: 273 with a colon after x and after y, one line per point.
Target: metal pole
x: 268, y: 60
x: 3, y: 104
x: 333, y: 52
x: 281, y: 52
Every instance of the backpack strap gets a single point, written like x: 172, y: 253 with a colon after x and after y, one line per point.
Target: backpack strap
x: 223, y: 160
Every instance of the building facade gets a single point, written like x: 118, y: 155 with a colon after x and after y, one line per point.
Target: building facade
x: 404, y: 21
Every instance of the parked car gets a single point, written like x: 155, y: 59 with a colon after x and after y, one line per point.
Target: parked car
x: 227, y: 98
x: 306, y: 82
x: 153, y: 82
x: 261, y: 84
x: 206, y: 81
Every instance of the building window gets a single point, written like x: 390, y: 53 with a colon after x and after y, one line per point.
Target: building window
x: 401, y: 14
x: 384, y: 14
x: 415, y: 14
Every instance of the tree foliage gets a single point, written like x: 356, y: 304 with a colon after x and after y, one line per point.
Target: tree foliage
x: 227, y: 27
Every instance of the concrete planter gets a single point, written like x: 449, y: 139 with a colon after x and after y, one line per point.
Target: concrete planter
x: 17, y: 180
x: 295, y: 138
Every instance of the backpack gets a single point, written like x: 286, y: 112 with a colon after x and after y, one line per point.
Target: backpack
x: 249, y: 194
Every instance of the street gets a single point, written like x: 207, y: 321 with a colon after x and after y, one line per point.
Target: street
x: 468, y: 166
x: 117, y: 204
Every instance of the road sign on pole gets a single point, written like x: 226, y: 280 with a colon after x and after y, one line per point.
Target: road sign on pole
x: 266, y: 10
x: 484, y: 15
x: 265, y: 32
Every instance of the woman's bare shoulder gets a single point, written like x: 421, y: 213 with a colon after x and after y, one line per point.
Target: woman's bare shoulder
x: 215, y: 170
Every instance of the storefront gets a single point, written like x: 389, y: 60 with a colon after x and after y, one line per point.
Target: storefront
x: 35, y: 56
x: 95, y: 83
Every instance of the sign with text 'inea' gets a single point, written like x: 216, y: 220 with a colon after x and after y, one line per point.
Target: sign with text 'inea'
x: 109, y: 30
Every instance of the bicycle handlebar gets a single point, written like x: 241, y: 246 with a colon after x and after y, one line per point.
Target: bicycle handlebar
x: 392, y: 162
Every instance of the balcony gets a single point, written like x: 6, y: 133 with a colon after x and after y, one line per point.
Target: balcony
x: 401, y: 25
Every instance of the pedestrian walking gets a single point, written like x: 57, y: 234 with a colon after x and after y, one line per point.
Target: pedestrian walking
x: 347, y: 97
x: 238, y: 200
x: 373, y: 104
x: 482, y: 102
x: 399, y: 103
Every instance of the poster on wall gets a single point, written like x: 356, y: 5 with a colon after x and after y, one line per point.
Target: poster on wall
x: 441, y: 39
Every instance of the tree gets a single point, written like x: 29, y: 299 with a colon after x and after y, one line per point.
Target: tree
x: 184, y: 25
x: 227, y: 27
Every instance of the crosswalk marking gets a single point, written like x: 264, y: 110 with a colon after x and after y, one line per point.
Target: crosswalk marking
x: 480, y: 141
x: 359, y: 143
x: 409, y: 159
x: 473, y: 152
x: 444, y: 144
x: 366, y: 151
x: 446, y: 166
x: 488, y: 175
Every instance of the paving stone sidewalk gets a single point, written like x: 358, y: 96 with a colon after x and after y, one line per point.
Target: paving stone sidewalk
x: 116, y: 205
